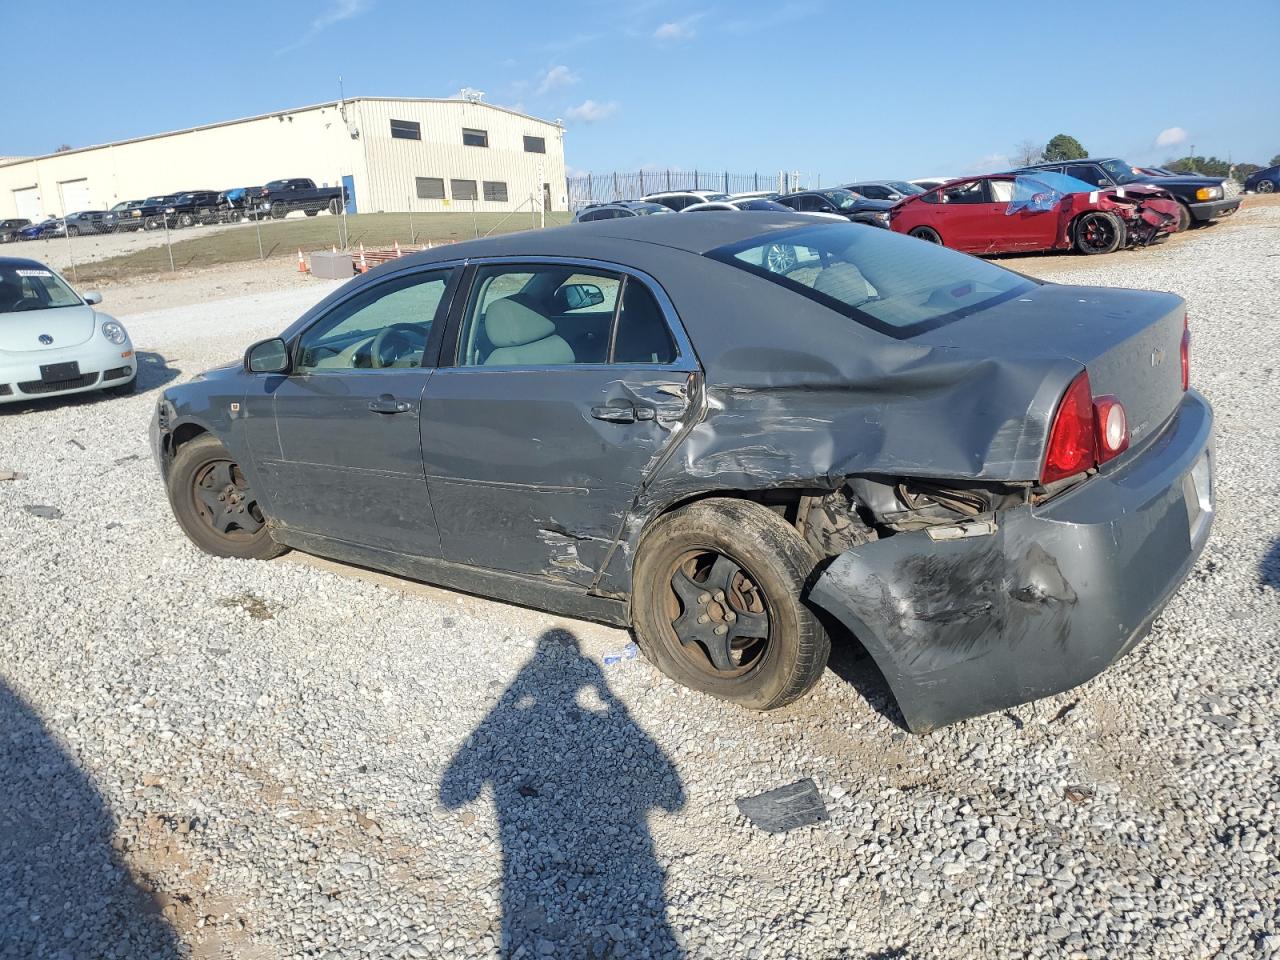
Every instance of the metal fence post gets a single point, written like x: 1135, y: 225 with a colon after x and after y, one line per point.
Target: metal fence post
x: 167, y: 242
x: 616, y: 194
x: 412, y: 236
x: 726, y: 182
x: 257, y: 225
x: 668, y: 180
x: 642, y: 192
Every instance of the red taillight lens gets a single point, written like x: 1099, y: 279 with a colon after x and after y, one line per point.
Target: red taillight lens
x: 1072, y: 439
x: 1186, y: 352
x: 1112, y: 427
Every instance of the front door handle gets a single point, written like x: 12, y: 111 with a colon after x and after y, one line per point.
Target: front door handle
x: 615, y: 413
x: 389, y: 404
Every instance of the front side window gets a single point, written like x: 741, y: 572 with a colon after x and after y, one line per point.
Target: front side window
x: 1087, y: 173
x: 429, y: 188
x: 1001, y: 191
x: 973, y: 192
x: 386, y: 326
x: 876, y: 277
x: 33, y: 288
x: 495, y: 190
x: 535, y: 145
x: 463, y: 189
x: 406, y: 130
x: 475, y: 138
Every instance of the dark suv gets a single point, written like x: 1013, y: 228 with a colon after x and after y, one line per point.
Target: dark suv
x: 196, y: 206
x: 1201, y: 198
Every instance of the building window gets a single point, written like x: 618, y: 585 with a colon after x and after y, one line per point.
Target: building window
x: 535, y: 145
x: 463, y: 189
x: 430, y: 188
x: 475, y: 138
x: 495, y: 190
x: 406, y: 130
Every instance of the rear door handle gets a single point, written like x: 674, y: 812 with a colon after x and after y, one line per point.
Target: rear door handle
x: 389, y: 404
x: 615, y: 413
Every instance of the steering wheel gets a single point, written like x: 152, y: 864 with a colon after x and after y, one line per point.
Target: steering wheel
x: 405, y: 333
x: 26, y: 303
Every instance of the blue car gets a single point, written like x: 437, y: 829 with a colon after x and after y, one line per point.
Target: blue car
x: 1264, y: 181
x: 45, y: 228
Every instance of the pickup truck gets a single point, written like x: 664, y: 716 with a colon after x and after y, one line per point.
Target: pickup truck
x: 147, y: 215
x: 195, y: 206
x: 279, y: 198
x: 1200, y: 199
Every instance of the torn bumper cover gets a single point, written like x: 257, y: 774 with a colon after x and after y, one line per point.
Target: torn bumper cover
x: 1050, y: 599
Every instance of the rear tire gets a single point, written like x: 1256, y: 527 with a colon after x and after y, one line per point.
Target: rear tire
x: 214, y: 504
x: 1098, y: 232
x: 766, y: 567
x: 927, y: 234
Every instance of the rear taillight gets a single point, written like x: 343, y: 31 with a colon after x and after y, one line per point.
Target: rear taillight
x: 1111, y: 426
x: 1086, y: 432
x: 1072, y: 440
x: 1186, y: 352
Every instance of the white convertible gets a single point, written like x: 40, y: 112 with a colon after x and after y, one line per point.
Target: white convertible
x: 53, y: 342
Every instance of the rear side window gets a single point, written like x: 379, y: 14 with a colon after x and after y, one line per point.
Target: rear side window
x: 886, y: 281
x: 642, y: 335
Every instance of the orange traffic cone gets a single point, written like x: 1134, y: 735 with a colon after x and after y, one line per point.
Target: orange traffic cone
x: 364, y: 265
x: 302, y: 264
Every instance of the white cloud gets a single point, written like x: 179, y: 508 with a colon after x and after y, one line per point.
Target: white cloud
x: 991, y: 163
x: 678, y: 31
x: 1171, y: 137
x: 590, y: 111
x: 336, y: 12
x: 556, y: 78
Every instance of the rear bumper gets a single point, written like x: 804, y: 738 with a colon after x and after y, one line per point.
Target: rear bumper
x: 1214, y: 209
x: 1051, y: 599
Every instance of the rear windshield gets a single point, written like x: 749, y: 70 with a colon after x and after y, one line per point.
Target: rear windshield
x: 892, y: 283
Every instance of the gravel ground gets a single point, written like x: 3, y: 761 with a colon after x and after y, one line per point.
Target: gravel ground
x: 296, y: 759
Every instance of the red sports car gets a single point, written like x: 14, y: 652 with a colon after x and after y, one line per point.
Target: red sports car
x: 1011, y: 213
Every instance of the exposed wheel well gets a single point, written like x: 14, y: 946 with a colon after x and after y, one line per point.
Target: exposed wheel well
x: 184, y: 433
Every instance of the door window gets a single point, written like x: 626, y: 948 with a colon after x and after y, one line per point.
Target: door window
x: 384, y: 327
x: 972, y: 192
x: 873, y: 192
x: 538, y: 316
x: 642, y: 335
x: 1001, y: 191
x: 1088, y: 173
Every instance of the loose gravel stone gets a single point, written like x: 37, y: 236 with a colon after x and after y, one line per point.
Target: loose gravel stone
x: 298, y: 759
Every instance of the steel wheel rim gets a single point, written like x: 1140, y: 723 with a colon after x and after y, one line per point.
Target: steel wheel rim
x: 716, y: 611
x: 224, y: 501
x: 779, y: 258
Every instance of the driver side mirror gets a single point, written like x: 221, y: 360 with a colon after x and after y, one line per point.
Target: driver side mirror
x: 267, y: 356
x: 575, y: 296
x: 92, y: 297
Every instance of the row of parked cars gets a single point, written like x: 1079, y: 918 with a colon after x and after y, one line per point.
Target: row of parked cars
x: 1092, y: 206
x: 187, y: 208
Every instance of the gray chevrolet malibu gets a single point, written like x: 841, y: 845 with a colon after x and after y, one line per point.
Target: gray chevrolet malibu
x: 735, y: 435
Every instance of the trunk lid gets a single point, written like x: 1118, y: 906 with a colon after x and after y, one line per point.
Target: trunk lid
x: 62, y: 326
x: 1128, y: 340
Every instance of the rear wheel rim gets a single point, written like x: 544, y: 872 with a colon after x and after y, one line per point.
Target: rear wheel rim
x: 719, y: 615
x: 779, y: 258
x: 225, y: 503
x: 927, y: 235
x: 1097, y: 232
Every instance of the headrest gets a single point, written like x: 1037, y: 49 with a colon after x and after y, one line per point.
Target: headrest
x: 842, y: 281
x: 510, y: 323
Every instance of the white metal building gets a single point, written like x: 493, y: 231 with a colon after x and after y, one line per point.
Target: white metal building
x: 394, y: 154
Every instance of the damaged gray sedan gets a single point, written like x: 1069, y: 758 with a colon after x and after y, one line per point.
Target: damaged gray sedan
x: 732, y: 434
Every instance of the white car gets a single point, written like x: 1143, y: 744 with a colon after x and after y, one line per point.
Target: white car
x: 52, y: 341
x: 759, y: 204
x: 677, y: 200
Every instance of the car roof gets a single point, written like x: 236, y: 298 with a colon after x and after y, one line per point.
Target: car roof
x: 22, y: 263
x: 1057, y: 163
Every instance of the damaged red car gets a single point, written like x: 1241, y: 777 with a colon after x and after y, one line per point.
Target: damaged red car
x: 1023, y: 213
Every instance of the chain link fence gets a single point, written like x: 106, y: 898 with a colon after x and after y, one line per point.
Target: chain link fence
x: 606, y: 187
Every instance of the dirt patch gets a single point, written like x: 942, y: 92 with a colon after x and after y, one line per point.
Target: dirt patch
x: 256, y: 607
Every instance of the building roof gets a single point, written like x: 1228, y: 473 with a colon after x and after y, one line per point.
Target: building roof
x: 7, y: 161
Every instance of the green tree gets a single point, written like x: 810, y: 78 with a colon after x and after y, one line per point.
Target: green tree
x: 1205, y: 166
x: 1274, y: 161
x: 1064, y: 147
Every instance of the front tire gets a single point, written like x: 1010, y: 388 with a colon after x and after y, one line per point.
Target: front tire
x: 125, y: 389
x: 1265, y: 186
x: 214, y: 504
x: 927, y: 234
x: 1184, y: 217
x: 1098, y: 232
x: 718, y: 604
x: 312, y: 213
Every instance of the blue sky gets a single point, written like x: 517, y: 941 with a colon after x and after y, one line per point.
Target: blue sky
x: 837, y: 89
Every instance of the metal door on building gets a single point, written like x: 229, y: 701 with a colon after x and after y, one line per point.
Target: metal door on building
x: 75, y: 195
x: 27, y: 201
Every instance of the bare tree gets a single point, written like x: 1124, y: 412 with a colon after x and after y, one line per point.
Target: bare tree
x: 1027, y: 152
x: 63, y: 148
